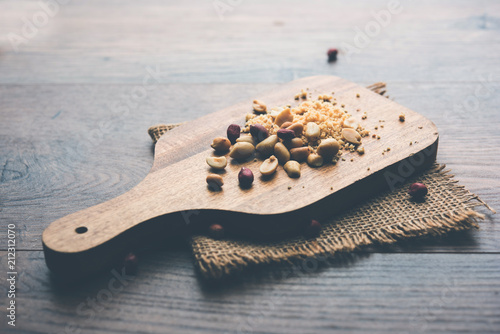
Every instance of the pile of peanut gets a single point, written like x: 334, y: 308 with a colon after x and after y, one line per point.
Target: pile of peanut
x: 314, y: 132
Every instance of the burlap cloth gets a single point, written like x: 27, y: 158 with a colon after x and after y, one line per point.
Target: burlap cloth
x: 384, y: 219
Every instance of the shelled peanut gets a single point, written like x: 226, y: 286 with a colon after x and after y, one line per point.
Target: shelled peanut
x: 314, y: 132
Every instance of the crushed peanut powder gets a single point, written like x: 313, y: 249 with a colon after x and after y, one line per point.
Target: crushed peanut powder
x: 329, y: 119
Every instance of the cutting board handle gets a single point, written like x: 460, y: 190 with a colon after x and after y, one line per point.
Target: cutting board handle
x: 92, y: 238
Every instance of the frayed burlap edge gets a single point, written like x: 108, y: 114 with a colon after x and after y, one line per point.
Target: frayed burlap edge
x: 219, y: 258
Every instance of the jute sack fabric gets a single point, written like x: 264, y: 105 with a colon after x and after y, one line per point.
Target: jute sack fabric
x: 384, y: 219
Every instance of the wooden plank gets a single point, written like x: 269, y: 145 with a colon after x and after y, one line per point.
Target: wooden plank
x: 433, y: 54
x: 378, y: 293
x: 189, y: 43
x: 45, y: 179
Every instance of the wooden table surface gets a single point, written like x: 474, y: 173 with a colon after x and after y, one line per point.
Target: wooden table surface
x: 74, y: 112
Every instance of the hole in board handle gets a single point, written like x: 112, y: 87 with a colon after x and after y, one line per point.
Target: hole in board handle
x: 81, y: 229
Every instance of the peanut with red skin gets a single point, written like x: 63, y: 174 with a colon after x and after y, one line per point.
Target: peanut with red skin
x: 216, y: 231
x: 312, y: 229
x: 418, y: 190
x: 130, y: 264
x: 245, y: 177
x: 332, y: 54
x: 233, y: 132
x: 286, y: 134
x: 258, y: 132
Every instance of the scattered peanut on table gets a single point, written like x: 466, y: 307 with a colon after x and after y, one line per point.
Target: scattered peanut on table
x: 269, y: 166
x: 292, y: 168
x: 214, y: 182
x: 217, y: 162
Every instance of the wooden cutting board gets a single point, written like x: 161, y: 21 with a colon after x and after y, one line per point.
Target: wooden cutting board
x: 174, y: 196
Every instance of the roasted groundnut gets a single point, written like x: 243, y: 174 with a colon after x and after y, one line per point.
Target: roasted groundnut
x: 286, y: 125
x: 294, y: 143
x: 269, y: 166
x: 258, y: 132
x: 281, y: 152
x: 221, y: 144
x: 284, y: 116
x: 351, y: 122
x: 259, y: 106
x: 286, y: 134
x: 246, y: 139
x: 351, y: 135
x: 299, y: 153
x: 245, y: 177
x: 312, y: 131
x: 298, y: 128
x: 242, y: 151
x: 328, y: 148
x: 233, y: 132
x: 266, y: 147
x: 216, y: 231
x: 292, y: 168
x: 214, y: 182
x: 313, y: 229
x: 217, y: 162
x: 418, y: 190
x: 315, y: 160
